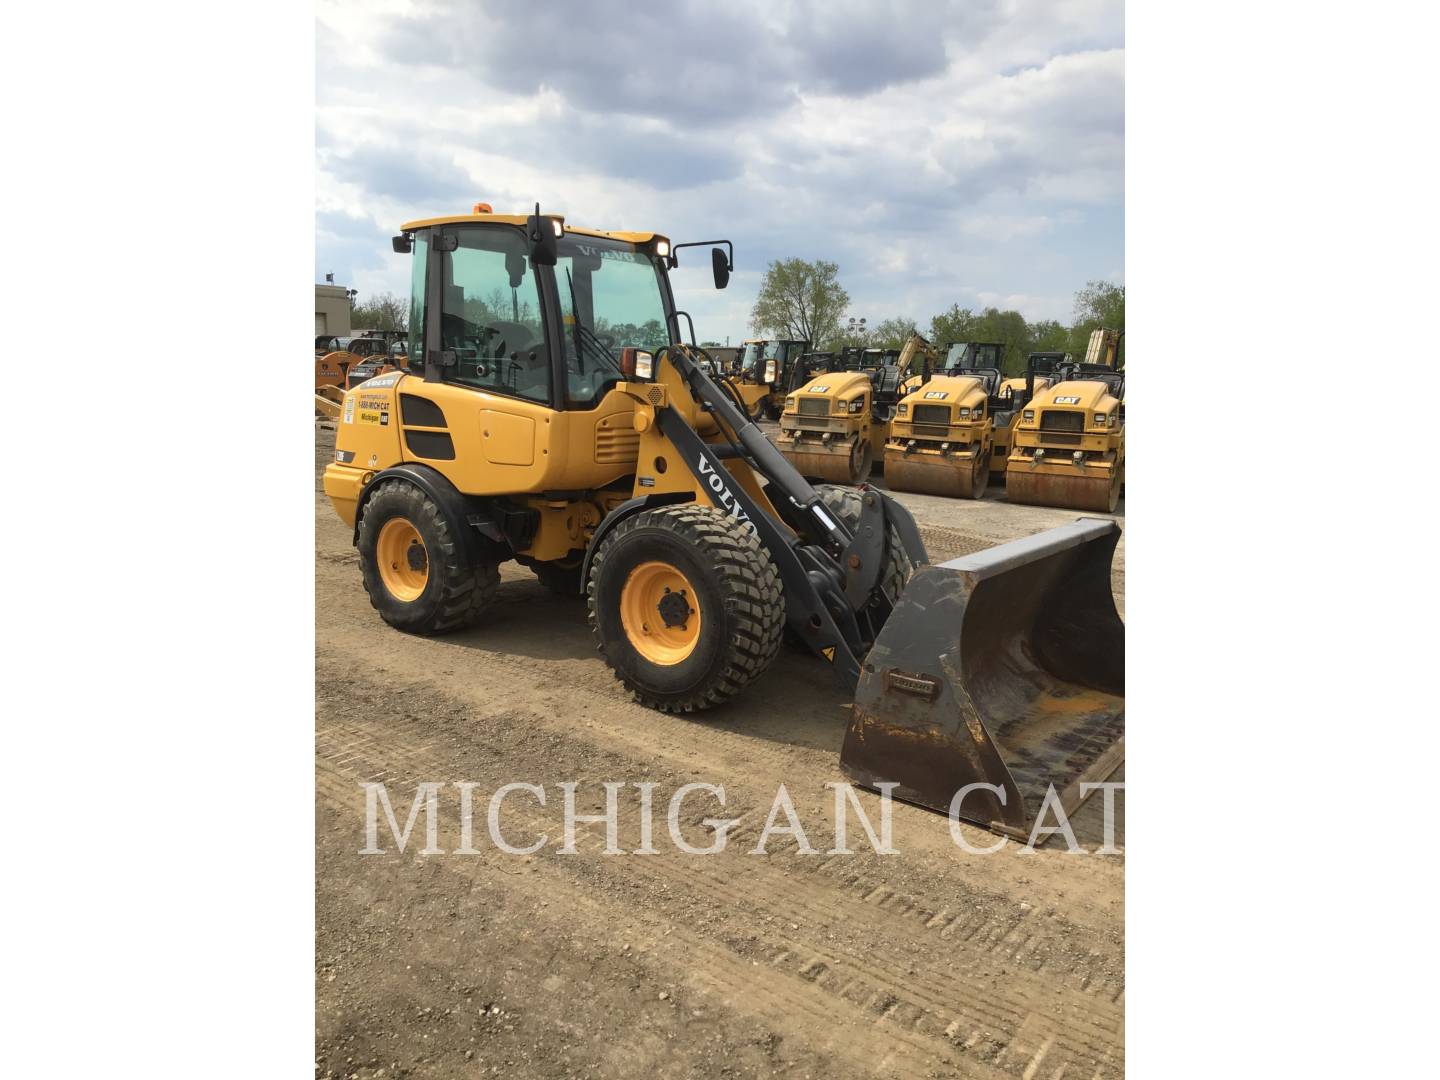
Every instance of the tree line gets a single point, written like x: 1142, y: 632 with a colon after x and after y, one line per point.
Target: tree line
x: 804, y: 300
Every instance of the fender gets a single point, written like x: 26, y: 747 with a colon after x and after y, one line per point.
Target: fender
x: 629, y: 508
x: 466, y: 520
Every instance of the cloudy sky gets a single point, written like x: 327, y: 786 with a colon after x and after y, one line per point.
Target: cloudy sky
x: 967, y: 152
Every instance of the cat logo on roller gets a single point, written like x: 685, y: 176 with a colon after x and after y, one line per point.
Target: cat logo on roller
x: 606, y: 457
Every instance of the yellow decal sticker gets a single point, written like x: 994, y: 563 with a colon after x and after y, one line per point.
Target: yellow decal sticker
x: 829, y: 653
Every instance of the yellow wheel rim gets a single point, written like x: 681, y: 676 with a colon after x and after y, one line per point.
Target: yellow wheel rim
x: 660, y: 613
x: 403, y: 561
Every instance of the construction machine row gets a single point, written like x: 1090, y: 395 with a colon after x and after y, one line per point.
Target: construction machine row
x: 552, y: 415
x: 1055, y: 435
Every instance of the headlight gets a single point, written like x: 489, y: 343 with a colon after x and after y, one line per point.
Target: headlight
x: 559, y: 227
x: 903, y: 410
x: 1100, y: 419
x: 1112, y: 420
x: 1029, y: 414
x: 964, y: 413
x: 662, y: 248
x: 857, y: 405
x: 644, y: 365
x: 790, y: 403
x: 770, y: 373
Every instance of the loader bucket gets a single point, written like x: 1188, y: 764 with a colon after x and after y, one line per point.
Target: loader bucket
x: 1006, y: 667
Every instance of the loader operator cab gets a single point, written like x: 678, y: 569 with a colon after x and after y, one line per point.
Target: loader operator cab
x: 546, y: 320
x: 609, y: 297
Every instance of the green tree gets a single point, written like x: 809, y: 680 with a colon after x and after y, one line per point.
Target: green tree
x: 1098, y: 304
x: 890, y: 333
x: 957, y: 324
x: 385, y: 311
x: 800, y: 300
x: 1049, y: 335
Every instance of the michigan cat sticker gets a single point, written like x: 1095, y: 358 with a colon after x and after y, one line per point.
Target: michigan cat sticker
x: 1067, y: 401
x: 936, y: 395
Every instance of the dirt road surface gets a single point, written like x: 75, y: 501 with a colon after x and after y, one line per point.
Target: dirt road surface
x: 928, y: 963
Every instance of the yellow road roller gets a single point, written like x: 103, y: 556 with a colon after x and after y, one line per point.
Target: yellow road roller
x: 942, y: 437
x: 1011, y: 397
x: 835, y: 426
x: 553, y: 417
x: 1069, y: 443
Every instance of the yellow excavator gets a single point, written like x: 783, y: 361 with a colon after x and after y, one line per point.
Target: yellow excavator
x: 542, y: 422
x: 836, y: 425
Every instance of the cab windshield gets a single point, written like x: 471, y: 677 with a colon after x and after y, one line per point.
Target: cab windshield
x: 610, y: 299
x: 957, y: 355
x: 749, y: 356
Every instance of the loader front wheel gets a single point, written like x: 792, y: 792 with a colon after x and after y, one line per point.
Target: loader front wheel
x: 685, y: 605
x: 417, y: 571
x: 844, y: 503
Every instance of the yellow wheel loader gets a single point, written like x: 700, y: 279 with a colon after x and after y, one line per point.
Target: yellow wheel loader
x: 767, y: 371
x: 546, y: 421
x: 1069, y: 442
x: 836, y: 425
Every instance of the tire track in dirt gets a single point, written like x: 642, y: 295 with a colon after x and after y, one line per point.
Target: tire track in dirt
x: 924, y: 1003
x: 834, y: 1027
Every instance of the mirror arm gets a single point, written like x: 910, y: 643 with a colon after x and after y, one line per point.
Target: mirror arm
x: 705, y: 243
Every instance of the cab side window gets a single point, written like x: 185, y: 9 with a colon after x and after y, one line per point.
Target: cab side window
x: 490, y: 315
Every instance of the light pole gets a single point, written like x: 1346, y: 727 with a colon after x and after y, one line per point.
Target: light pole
x: 856, y: 328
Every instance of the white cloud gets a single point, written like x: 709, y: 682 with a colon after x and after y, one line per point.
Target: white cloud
x: 940, y: 153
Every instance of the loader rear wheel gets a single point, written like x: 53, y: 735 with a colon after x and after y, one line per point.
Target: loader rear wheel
x: 685, y: 605
x: 844, y: 503
x: 419, y: 576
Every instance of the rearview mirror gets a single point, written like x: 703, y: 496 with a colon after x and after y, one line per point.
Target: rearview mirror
x: 401, y: 244
x: 721, y: 266
x: 543, y: 249
x: 515, y: 267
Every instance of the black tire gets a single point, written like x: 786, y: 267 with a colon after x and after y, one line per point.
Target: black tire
x: 740, y: 599
x: 844, y: 503
x: 770, y: 409
x: 456, y: 590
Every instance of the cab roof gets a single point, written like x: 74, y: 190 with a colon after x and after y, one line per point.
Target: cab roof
x: 522, y: 219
